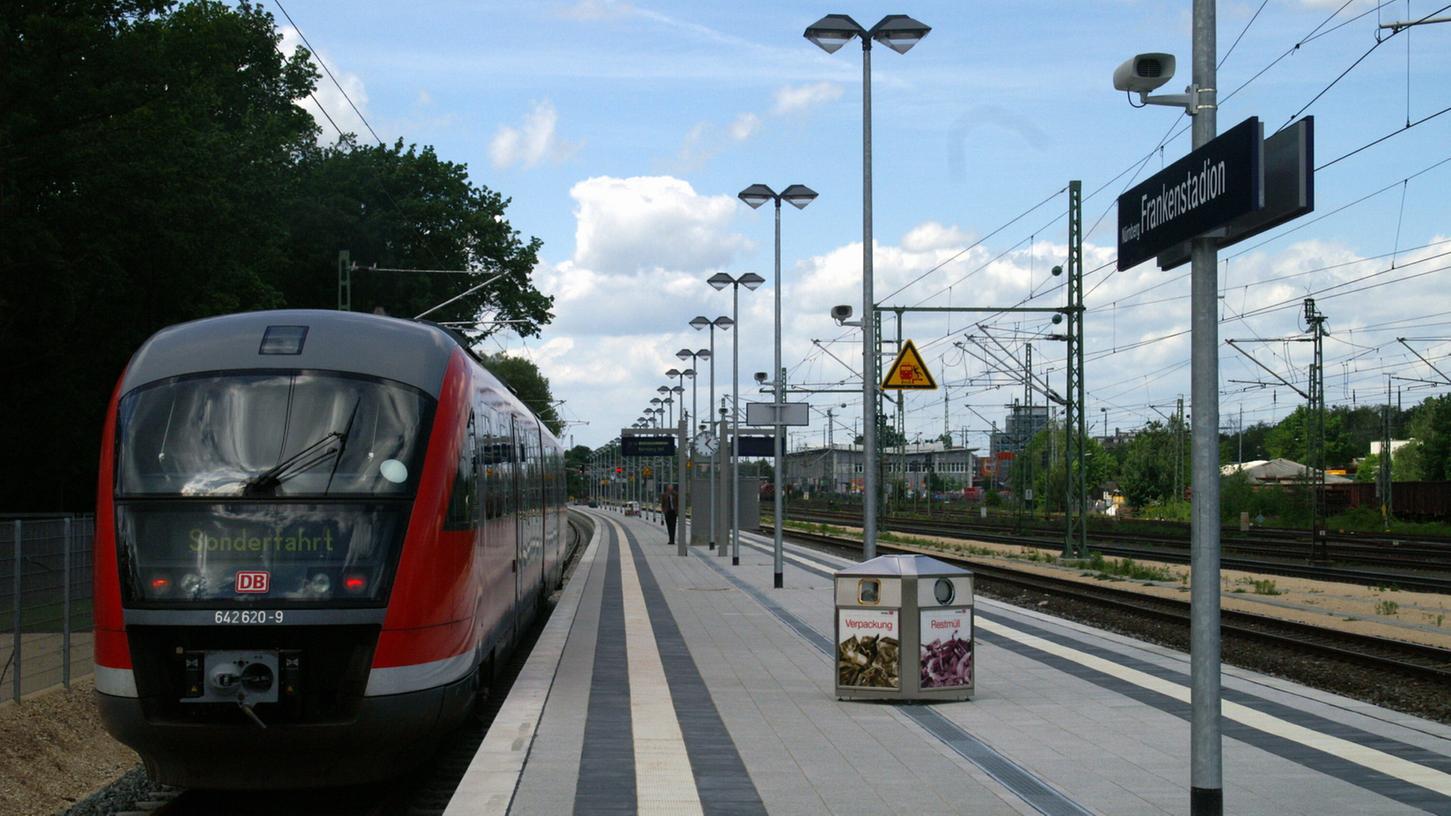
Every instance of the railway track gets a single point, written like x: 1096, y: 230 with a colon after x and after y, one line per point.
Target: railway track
x: 1172, y: 550
x: 1397, y: 658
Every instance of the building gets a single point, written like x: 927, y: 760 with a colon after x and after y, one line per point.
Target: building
x: 1277, y: 471
x: 1023, y: 423
x: 838, y: 468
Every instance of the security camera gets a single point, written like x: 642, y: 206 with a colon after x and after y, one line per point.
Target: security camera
x: 761, y: 377
x: 1144, y: 73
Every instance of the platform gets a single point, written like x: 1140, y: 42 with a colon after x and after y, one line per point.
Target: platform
x: 664, y: 684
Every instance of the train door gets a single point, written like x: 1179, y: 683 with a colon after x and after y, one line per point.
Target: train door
x: 521, y: 512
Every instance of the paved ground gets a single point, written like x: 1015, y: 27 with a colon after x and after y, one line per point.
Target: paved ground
x: 686, y: 685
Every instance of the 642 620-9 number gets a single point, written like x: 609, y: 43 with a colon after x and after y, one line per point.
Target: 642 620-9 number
x: 248, y: 616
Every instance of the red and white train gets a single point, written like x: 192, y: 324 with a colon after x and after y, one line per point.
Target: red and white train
x: 317, y: 533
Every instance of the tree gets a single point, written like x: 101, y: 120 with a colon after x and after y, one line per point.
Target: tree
x: 1150, y: 471
x: 397, y: 208
x: 1045, y: 451
x: 576, y: 468
x: 531, y: 386
x: 1430, y: 426
x: 145, y: 151
x: 155, y: 168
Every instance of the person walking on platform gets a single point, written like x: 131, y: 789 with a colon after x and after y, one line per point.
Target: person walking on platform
x: 670, y: 509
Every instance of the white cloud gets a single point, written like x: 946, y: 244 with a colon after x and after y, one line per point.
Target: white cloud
x: 332, y: 100
x: 532, y: 142
x: 745, y: 126
x: 797, y: 98
x: 652, y: 222
x: 644, y: 247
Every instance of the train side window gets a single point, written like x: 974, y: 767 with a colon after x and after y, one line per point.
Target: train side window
x: 463, y: 502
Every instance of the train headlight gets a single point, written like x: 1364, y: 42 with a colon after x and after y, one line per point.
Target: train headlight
x: 320, y: 584
x: 191, y: 583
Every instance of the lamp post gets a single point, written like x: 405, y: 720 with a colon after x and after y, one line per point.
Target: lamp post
x: 798, y: 196
x: 687, y: 477
x: 721, y: 280
x: 899, y: 33
x: 700, y: 322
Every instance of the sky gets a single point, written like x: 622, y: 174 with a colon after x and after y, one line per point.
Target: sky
x: 622, y: 132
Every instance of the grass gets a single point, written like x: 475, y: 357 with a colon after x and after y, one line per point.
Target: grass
x: 1126, y: 568
x: 1266, y: 587
x: 1367, y: 520
x: 1387, y: 608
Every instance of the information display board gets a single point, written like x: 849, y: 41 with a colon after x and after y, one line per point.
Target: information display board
x: 647, y: 446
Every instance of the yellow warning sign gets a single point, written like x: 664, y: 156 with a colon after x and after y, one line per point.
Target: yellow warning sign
x: 908, y: 371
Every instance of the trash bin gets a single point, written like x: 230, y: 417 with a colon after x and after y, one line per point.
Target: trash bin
x: 904, y: 630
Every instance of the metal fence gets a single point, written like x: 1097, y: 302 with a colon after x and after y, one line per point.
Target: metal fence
x: 45, y: 602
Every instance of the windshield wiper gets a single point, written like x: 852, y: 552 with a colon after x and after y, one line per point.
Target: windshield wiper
x: 266, y: 482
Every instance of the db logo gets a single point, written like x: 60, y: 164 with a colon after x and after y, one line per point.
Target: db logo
x: 252, y: 581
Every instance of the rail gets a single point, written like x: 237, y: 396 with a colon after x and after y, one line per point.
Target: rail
x: 1400, y: 657
x: 1421, y: 568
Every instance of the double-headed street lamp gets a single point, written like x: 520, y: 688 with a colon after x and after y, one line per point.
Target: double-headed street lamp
x: 798, y: 196
x: 700, y: 322
x: 718, y: 281
x: 899, y: 33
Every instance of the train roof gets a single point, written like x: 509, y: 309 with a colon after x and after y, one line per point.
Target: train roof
x: 403, y: 350
x: 412, y: 352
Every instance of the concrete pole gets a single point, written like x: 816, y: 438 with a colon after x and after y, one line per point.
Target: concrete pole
x: 779, y: 459
x: 682, y: 547
x: 1206, y: 792
x: 869, y: 335
x: 688, y: 474
x: 735, y: 425
x: 714, y: 457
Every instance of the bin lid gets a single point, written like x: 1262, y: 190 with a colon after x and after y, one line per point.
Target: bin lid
x: 904, y: 565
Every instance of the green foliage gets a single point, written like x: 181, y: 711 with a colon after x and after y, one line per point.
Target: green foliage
x: 1287, y: 505
x: 1046, y: 453
x: 531, y: 386
x: 1127, y: 568
x: 1155, y: 463
x: 406, y: 209
x: 1166, y: 510
x: 576, y: 468
x: 1367, y: 519
x: 1430, y: 426
x: 1266, y: 586
x: 1348, y: 434
x: 154, y: 169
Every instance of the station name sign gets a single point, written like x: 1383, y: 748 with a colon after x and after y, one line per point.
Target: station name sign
x: 1208, y: 188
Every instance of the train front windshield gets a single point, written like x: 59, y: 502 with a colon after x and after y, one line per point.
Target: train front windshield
x: 272, y: 488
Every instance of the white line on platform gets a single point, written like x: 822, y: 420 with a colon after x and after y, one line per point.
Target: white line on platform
x: 1380, y: 761
x: 489, y: 783
x: 664, y: 782
x: 1376, y: 760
